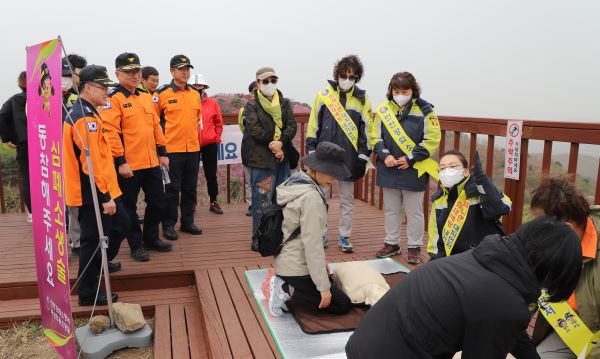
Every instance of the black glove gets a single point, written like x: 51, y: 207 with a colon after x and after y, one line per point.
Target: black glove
x: 477, y: 170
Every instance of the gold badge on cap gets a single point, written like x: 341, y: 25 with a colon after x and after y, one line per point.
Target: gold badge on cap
x: 183, y: 59
x: 131, y: 59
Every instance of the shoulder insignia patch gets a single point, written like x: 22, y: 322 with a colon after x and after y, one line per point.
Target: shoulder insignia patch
x: 92, y: 126
x: 107, y: 106
x: 434, y: 121
x: 155, y: 99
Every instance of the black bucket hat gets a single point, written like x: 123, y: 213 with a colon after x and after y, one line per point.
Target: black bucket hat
x: 328, y: 158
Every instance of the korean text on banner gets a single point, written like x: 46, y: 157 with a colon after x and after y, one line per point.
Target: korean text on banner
x: 514, y: 131
x: 44, y: 127
x: 230, y: 149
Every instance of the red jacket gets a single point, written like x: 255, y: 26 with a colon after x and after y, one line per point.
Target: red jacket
x: 211, y: 127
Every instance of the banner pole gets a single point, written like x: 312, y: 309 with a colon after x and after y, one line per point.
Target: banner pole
x: 102, y: 236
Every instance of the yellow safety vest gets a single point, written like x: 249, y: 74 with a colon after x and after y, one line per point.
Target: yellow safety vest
x: 406, y: 144
x: 329, y: 98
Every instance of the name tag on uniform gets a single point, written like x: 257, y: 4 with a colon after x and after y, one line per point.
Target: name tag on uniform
x: 173, y: 101
x: 126, y: 105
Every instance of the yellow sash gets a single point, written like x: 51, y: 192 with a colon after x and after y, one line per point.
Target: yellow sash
x: 455, y: 222
x: 341, y: 116
x: 406, y: 144
x: 567, y: 324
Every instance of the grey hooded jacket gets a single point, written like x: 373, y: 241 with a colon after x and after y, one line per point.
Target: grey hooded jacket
x: 305, y: 207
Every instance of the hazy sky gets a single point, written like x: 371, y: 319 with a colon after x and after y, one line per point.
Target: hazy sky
x: 526, y: 59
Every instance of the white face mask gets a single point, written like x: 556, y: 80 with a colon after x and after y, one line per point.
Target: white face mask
x: 268, y: 90
x: 66, y: 83
x: 401, y: 100
x: 451, y: 176
x: 345, y: 85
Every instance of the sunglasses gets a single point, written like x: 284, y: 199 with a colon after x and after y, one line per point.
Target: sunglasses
x: 103, y: 88
x: 272, y: 80
x: 344, y: 77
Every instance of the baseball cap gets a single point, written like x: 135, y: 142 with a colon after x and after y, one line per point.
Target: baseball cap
x: 66, y: 69
x: 96, y: 73
x: 127, y: 61
x: 265, y: 72
x: 179, y: 61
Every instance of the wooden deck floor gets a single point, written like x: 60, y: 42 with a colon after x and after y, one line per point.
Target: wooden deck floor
x: 202, y: 304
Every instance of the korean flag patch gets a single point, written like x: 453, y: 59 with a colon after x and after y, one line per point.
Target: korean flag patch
x: 93, y: 126
x: 155, y: 99
x: 107, y: 106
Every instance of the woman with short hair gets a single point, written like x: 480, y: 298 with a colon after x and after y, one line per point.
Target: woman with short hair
x: 405, y: 134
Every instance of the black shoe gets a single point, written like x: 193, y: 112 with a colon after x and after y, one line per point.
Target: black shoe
x: 102, y: 300
x: 75, y: 251
x: 191, y: 228
x: 249, y: 212
x: 140, y: 255
x: 254, y: 245
x: 170, y: 234
x: 214, y: 207
x: 159, y: 245
x: 114, y: 267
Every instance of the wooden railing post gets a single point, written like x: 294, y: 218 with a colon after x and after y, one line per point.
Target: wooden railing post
x: 2, y: 204
x: 19, y: 181
x: 228, y: 184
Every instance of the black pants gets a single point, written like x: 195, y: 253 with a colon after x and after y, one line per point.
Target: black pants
x: 209, y: 162
x: 150, y: 180
x: 23, y: 163
x: 306, y: 291
x: 183, y: 172
x: 115, y: 227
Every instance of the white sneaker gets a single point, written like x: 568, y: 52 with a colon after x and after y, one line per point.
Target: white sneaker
x: 29, y: 218
x: 275, y: 295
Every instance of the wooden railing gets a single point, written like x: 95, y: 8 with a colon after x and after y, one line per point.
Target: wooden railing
x: 573, y: 133
x: 460, y: 128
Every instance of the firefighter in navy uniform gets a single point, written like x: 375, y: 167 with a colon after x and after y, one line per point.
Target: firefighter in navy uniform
x: 138, y: 147
x: 93, y: 88
x: 180, y: 110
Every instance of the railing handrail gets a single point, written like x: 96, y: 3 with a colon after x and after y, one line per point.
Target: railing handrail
x: 575, y: 133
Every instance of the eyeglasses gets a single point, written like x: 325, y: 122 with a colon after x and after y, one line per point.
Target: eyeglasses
x: 344, y: 77
x: 103, y: 88
x: 455, y: 167
x: 266, y: 81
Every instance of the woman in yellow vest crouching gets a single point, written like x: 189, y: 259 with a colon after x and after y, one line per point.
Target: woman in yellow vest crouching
x: 465, y: 209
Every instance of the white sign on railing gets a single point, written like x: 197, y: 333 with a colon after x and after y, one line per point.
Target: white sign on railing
x: 230, y: 148
x: 514, y: 131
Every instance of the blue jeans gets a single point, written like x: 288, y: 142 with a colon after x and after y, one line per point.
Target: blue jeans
x: 264, y: 182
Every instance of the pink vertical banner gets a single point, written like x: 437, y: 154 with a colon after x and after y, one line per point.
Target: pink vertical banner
x: 44, y: 126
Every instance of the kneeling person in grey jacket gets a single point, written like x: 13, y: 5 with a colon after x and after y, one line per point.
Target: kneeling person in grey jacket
x: 300, y: 269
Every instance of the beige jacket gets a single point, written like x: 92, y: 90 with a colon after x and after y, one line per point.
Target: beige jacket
x: 305, y: 207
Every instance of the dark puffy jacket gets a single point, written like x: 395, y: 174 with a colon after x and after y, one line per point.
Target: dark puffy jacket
x: 476, y: 301
x: 13, y: 120
x: 420, y: 124
x: 322, y: 126
x: 259, y: 132
x: 482, y: 220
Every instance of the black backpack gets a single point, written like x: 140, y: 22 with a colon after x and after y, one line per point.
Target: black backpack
x: 269, y: 233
